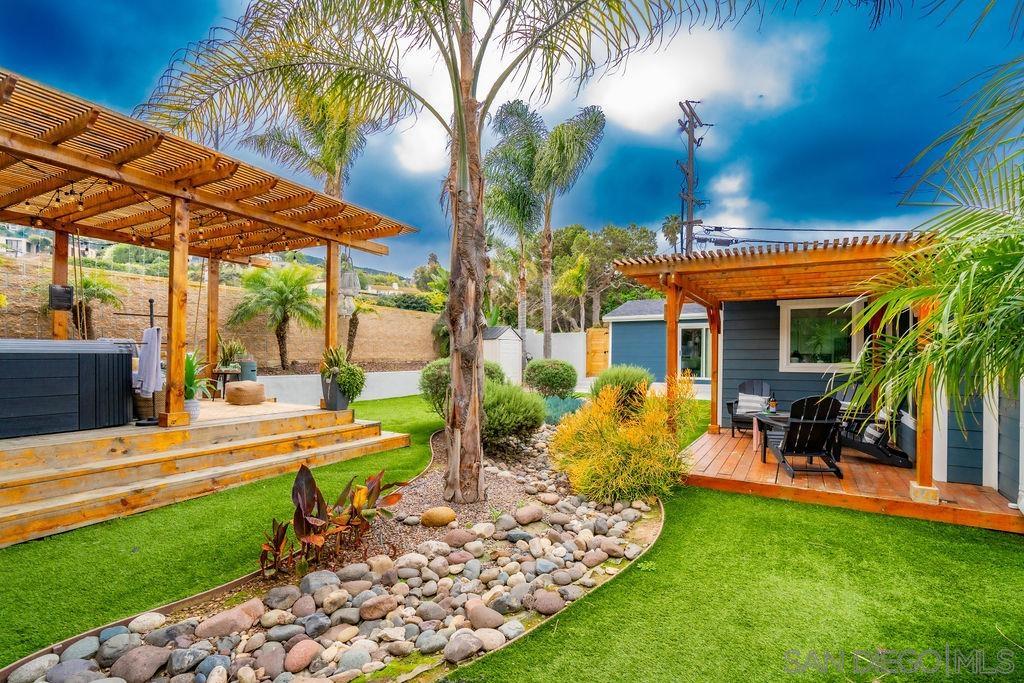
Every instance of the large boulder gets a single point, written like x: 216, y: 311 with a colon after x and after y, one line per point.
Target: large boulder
x: 462, y: 646
x: 439, y: 516
x: 234, y: 620
x: 140, y: 664
x: 378, y: 607
x: 314, y: 581
x: 301, y: 655
x: 37, y: 668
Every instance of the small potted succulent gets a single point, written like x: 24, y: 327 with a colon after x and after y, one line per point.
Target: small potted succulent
x: 342, y: 381
x: 196, y: 386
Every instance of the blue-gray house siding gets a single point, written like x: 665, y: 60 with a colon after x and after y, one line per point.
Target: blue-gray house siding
x: 965, y: 444
x: 642, y: 343
x: 1009, y: 447
x: 750, y: 350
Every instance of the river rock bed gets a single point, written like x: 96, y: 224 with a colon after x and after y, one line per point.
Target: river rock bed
x: 445, y: 595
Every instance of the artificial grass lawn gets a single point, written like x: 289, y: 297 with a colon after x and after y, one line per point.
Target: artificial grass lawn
x: 56, y: 587
x: 735, y: 581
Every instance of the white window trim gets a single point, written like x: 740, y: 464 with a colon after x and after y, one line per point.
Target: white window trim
x: 785, y: 310
x: 705, y: 344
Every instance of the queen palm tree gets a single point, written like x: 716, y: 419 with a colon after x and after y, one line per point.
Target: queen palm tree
x: 552, y: 161
x: 511, y: 202
x: 282, y: 294
x: 358, y: 49
x: 670, y: 229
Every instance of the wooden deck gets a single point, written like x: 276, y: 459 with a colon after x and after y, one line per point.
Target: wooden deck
x: 56, y: 482
x: 730, y: 464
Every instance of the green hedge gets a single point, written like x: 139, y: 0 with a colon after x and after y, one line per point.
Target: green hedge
x: 436, y: 378
x: 551, y: 377
x: 510, y: 414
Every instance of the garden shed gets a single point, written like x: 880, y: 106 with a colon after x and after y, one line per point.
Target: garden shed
x: 504, y: 346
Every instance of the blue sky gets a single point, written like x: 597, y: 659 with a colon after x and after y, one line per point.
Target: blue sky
x: 815, y: 114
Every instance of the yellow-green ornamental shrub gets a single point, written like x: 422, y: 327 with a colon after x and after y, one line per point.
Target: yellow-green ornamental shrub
x: 609, y: 455
x: 630, y: 380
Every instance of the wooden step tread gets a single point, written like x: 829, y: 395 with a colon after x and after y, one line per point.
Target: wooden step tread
x: 27, y: 477
x: 13, y: 513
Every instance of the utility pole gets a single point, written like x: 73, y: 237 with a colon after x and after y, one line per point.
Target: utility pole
x: 688, y: 125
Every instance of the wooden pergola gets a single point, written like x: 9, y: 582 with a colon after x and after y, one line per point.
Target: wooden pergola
x: 833, y: 268
x: 73, y: 167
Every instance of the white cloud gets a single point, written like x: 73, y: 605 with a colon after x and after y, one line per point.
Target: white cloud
x: 718, y: 66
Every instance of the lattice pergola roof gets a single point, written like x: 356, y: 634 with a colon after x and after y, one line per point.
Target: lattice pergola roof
x: 840, y: 267
x: 70, y: 165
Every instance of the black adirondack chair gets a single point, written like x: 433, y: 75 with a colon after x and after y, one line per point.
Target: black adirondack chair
x: 812, y: 432
x: 868, y: 432
x: 743, y: 421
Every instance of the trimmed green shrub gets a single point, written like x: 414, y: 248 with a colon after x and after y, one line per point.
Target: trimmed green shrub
x: 436, y: 378
x: 551, y: 377
x: 631, y: 381
x: 510, y: 414
x: 558, y: 407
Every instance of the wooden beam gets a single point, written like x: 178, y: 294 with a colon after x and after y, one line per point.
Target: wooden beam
x: 715, y: 326
x: 7, y: 86
x: 60, y: 133
x: 212, y: 313
x: 121, y: 196
x: 54, y: 182
x: 673, y: 304
x: 59, y: 321
x: 219, y: 173
x: 136, y: 219
x: 317, y: 213
x: 177, y: 299
x: 333, y: 267
x: 86, y: 165
x: 923, y: 488
x: 253, y: 189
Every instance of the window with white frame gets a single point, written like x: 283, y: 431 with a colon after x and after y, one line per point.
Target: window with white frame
x: 815, y: 335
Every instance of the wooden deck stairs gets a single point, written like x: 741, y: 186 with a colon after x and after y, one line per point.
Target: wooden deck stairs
x: 54, y: 483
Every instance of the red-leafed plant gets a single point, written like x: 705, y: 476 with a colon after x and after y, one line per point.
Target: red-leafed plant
x: 277, y: 553
x: 311, y: 514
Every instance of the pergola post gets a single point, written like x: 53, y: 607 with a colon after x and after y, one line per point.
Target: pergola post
x: 212, y: 312
x: 177, y: 295
x: 715, y: 327
x: 59, y: 276
x: 333, y: 266
x: 673, y: 303
x: 923, y: 489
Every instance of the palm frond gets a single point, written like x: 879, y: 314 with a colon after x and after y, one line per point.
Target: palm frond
x: 568, y: 150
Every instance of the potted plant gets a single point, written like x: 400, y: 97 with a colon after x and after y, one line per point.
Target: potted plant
x: 196, y: 386
x: 229, y: 353
x: 342, y: 381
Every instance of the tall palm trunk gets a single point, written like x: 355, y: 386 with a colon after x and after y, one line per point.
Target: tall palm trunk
x: 522, y: 302
x: 583, y: 312
x: 463, y: 480
x: 281, y: 332
x: 546, y: 239
x: 595, y: 309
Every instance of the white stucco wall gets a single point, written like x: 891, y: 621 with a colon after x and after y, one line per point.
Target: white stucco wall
x: 305, y: 389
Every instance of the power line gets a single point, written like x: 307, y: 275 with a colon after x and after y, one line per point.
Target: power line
x: 829, y: 230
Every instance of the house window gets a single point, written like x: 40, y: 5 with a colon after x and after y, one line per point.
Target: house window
x: 693, y: 349
x: 816, y: 335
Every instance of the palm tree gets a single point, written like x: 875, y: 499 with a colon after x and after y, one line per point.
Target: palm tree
x: 92, y: 290
x: 320, y: 140
x: 965, y: 282
x: 282, y: 294
x: 573, y: 282
x: 552, y: 161
x: 670, y: 228
x: 356, y: 50
x: 512, y: 204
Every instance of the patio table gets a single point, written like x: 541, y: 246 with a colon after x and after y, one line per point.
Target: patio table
x: 764, y: 421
